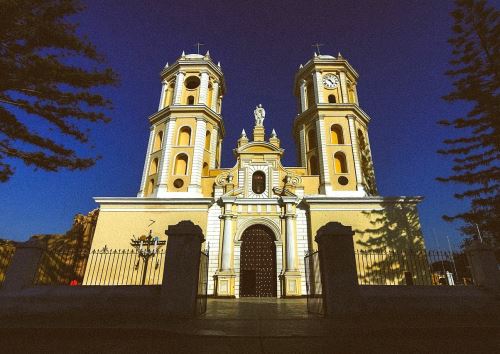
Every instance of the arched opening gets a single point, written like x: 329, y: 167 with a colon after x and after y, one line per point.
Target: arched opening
x: 205, y: 171
x: 340, y: 162
x: 151, y: 186
x: 209, y: 95
x: 336, y: 134
x: 184, y: 138
x: 153, y: 167
x: 190, y: 100
x: 258, y: 262
x: 158, y: 141
x: 181, y: 164
x: 169, y: 94
x: 258, y: 182
x: 207, y: 140
x: 310, y: 94
x: 332, y: 99
x: 352, y: 97
x: 313, y: 165
x: 311, y: 139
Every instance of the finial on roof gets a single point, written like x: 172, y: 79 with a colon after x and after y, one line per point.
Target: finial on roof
x: 243, y: 134
x: 339, y: 55
x: 218, y: 64
x: 273, y: 134
x: 207, y: 55
x: 301, y: 66
x: 183, y: 54
x: 166, y: 65
x: 315, y: 54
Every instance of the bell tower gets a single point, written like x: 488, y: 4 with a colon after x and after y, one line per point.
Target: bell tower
x: 331, y: 130
x: 186, y: 133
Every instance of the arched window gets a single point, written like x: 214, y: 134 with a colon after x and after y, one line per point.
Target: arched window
x: 169, y: 95
x: 158, y: 141
x: 332, y: 99
x: 258, y: 182
x: 181, y: 164
x: 352, y: 97
x: 313, y: 165
x: 207, y: 140
x: 151, y: 186
x: 153, y: 167
x: 310, y: 94
x: 190, y: 100
x: 311, y: 139
x: 336, y: 134
x: 184, y: 138
x: 210, y: 93
x: 205, y: 169
x: 340, y: 163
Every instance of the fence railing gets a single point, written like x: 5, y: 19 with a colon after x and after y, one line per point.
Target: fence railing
x: 315, y: 299
x: 63, y: 266
x: 412, y: 267
x: 202, y: 295
x: 6, y: 254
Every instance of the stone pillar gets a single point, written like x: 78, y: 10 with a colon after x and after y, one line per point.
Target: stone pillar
x: 338, y: 268
x: 483, y: 265
x: 303, y: 96
x: 343, y: 87
x: 180, y: 276
x: 318, y: 87
x: 225, y: 276
x: 203, y: 88
x: 213, y: 147
x: 164, y: 87
x: 303, y: 149
x: 215, y: 96
x: 22, y: 270
x: 163, y: 173
x: 324, y: 170
x: 197, y: 164
x: 179, y: 82
x: 355, y: 152
x: 292, y: 274
x: 147, y: 160
x: 355, y: 90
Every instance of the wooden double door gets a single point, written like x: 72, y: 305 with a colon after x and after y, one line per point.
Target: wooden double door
x: 258, y: 262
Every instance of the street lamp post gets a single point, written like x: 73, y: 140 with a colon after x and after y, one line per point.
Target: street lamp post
x: 147, y: 247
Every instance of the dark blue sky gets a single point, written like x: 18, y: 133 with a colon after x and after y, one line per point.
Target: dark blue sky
x: 398, y: 47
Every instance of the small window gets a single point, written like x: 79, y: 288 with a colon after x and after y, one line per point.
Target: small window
x: 336, y: 134
x: 332, y: 99
x: 311, y: 139
x: 340, y: 163
x: 151, y: 186
x: 184, y: 138
x: 153, y: 168
x: 158, y: 141
x: 181, y: 165
x: 313, y: 165
x: 258, y: 182
x: 190, y: 100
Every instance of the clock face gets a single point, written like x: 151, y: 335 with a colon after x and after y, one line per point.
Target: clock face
x: 330, y: 81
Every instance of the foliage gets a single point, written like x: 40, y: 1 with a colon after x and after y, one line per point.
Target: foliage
x: 476, y: 147
x: 48, y: 76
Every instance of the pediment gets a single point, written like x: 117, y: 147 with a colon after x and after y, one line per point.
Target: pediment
x: 259, y: 147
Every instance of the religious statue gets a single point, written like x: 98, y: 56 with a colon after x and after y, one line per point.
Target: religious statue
x: 259, y: 114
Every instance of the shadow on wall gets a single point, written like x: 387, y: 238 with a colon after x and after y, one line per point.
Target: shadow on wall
x: 392, y: 246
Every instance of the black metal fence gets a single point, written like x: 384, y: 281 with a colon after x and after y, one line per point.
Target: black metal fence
x: 6, y: 255
x: 99, y: 267
x: 315, y: 300
x: 412, y: 267
x: 202, y: 295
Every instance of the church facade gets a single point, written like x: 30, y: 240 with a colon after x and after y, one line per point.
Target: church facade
x: 259, y: 217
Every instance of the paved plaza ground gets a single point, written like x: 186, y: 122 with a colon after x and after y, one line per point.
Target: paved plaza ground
x: 247, y: 326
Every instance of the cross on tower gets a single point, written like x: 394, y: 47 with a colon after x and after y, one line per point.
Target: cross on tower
x: 198, y: 45
x: 317, y: 45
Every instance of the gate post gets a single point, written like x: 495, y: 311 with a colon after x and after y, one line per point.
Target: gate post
x: 483, y: 265
x: 182, y: 262
x: 22, y: 270
x: 338, y: 268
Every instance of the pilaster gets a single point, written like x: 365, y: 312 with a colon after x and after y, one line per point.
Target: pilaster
x: 164, y: 86
x: 343, y: 87
x: 303, y: 94
x: 318, y: 87
x: 215, y: 96
x: 213, y: 147
x: 203, y: 87
x: 325, y: 184
x: 161, y: 188
x: 146, y: 162
x: 199, y: 145
x: 303, y: 154
x: 355, y: 152
x: 179, y: 82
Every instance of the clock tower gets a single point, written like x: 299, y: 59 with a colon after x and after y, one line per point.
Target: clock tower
x: 331, y: 130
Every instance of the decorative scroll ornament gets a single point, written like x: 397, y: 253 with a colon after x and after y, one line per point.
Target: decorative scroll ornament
x: 292, y: 180
x: 223, y: 179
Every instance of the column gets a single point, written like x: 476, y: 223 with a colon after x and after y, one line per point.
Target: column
x: 164, y: 86
x: 227, y: 242
x: 225, y: 277
x: 215, y: 96
x: 292, y: 275
x: 355, y: 152
x: 203, y: 88
x: 213, y: 147
x: 303, y: 154
x: 343, y: 87
x: 142, y: 187
x: 168, y: 137
x: 179, y: 82
x: 318, y: 87
x: 355, y: 89
x: 291, y: 243
x: 303, y: 94
x: 325, y: 184
x: 197, y: 164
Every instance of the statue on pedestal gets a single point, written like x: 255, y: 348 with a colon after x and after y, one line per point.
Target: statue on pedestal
x: 259, y: 114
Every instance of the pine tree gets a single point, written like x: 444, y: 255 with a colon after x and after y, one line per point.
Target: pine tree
x: 47, y: 79
x: 476, y: 147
